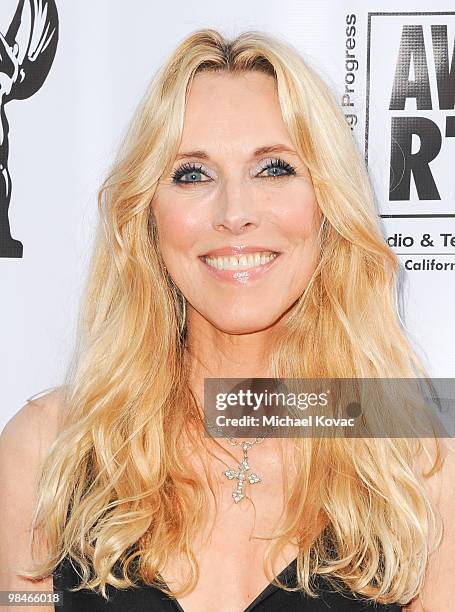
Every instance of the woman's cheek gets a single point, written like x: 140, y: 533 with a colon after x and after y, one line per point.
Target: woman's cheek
x: 296, y: 218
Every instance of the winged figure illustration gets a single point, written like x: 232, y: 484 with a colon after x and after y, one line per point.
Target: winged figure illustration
x: 27, y: 52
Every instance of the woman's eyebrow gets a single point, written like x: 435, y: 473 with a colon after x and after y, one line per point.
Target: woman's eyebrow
x: 276, y: 148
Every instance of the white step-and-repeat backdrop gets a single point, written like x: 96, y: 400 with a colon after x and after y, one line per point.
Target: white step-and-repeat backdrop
x: 71, y: 75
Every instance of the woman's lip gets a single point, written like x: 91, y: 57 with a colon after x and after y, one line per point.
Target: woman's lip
x: 239, y: 276
x: 238, y: 250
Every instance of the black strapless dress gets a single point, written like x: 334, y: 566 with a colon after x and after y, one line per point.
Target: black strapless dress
x: 149, y: 599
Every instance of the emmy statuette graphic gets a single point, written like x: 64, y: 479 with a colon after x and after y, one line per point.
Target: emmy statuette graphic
x: 27, y: 51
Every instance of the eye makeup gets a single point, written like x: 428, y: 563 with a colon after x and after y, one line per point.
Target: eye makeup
x: 192, y: 170
x: 192, y: 173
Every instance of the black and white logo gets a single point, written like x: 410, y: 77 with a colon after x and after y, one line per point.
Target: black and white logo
x: 410, y: 120
x: 27, y: 52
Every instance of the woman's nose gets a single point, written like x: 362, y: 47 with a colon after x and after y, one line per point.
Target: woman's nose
x: 236, y: 209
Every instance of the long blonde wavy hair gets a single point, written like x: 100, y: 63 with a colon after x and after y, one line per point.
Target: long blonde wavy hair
x: 115, y: 487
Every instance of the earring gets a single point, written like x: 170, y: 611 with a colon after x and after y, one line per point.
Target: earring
x: 182, y: 324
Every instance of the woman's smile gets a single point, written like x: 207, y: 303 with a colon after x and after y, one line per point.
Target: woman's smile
x: 239, y: 267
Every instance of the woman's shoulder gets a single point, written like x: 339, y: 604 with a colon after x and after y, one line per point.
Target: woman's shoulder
x: 37, y: 420
x: 29, y: 433
x: 438, y: 591
x: 24, y: 443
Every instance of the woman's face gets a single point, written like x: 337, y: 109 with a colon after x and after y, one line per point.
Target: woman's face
x: 237, y: 217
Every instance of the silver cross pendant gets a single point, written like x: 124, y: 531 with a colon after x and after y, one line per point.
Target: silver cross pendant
x: 241, y: 474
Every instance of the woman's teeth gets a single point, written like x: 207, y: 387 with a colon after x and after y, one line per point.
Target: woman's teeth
x: 241, y: 262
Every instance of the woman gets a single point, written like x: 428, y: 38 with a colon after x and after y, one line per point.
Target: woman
x: 238, y: 238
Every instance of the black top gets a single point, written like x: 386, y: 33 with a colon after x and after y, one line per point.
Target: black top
x: 146, y: 598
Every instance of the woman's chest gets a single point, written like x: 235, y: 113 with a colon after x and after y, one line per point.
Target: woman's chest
x: 230, y: 549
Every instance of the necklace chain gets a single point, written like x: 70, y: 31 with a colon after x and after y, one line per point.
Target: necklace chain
x: 243, y: 472
x: 236, y: 442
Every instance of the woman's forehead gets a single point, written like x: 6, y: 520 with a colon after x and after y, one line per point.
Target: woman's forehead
x: 223, y: 89
x: 233, y: 110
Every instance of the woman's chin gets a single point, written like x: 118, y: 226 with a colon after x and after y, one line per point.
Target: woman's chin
x: 244, y: 326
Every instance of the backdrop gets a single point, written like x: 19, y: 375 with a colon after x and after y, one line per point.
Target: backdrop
x: 71, y: 75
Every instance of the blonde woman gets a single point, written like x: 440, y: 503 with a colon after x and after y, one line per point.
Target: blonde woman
x: 238, y: 238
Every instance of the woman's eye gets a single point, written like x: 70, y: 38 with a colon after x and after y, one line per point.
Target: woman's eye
x: 276, y: 167
x: 274, y: 171
x: 189, y: 174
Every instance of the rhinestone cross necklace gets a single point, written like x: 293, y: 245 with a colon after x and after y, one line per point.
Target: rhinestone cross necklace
x: 241, y: 473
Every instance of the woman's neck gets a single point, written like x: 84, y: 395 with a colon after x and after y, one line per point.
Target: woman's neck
x: 215, y: 353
